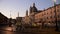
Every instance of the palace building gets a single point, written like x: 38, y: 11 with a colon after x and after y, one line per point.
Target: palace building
x: 43, y: 16
x: 48, y: 15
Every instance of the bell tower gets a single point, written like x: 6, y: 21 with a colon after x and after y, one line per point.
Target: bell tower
x: 26, y: 12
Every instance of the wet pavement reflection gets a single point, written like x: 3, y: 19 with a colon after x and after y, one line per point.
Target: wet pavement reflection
x: 8, y: 30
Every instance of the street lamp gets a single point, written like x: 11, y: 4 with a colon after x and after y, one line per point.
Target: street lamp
x: 55, y: 15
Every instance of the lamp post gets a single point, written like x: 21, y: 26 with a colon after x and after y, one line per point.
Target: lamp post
x: 55, y: 16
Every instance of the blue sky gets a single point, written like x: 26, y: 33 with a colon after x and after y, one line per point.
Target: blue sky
x: 21, y: 6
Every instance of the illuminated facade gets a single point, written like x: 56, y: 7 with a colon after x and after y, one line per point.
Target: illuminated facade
x: 48, y: 15
x: 43, y: 16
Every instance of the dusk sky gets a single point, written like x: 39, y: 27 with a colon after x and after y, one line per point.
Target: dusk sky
x: 21, y: 6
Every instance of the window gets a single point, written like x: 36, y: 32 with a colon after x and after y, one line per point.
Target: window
x: 44, y: 13
x: 47, y: 12
x: 47, y: 17
x: 58, y: 10
x: 49, y: 21
x: 54, y: 10
x: 58, y: 16
x: 51, y: 12
x: 50, y: 16
x: 57, y: 6
x: 52, y: 21
x: 54, y: 16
